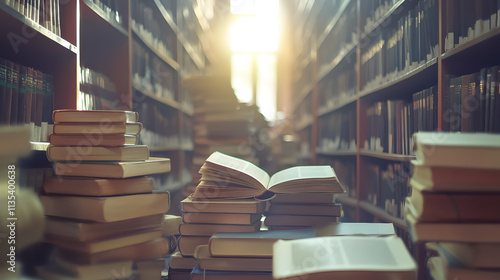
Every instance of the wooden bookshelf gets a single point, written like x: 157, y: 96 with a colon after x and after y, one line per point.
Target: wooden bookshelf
x: 420, y: 75
x: 105, y: 41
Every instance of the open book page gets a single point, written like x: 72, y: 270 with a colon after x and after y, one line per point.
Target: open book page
x: 330, y: 254
x: 301, y: 172
x: 233, y: 165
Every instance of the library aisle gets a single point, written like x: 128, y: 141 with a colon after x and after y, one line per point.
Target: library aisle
x: 140, y: 138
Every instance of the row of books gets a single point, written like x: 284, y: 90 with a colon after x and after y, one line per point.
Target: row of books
x: 339, y: 85
x: 411, y: 41
x: 151, y: 73
x: 389, y: 187
x: 341, y: 38
x: 392, y: 123
x: 44, y: 12
x: 145, y: 23
x: 454, y: 203
x: 337, y: 131
x: 160, y: 122
x: 466, y: 20
x: 95, y: 235
x: 26, y: 97
x: 110, y: 9
x: 97, y: 91
x: 471, y: 102
x: 374, y: 10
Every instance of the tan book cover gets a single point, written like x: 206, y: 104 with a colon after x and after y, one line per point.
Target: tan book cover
x: 153, y: 165
x: 97, y: 186
x: 106, y: 209
x: 78, y: 154
x: 208, y: 262
x: 94, y: 116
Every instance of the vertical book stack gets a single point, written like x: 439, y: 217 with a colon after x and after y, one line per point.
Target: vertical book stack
x: 204, y: 217
x: 302, y: 210
x: 455, y: 203
x: 234, y: 184
x: 103, y: 215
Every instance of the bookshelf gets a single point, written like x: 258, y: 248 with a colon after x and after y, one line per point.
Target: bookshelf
x: 398, y: 53
x: 114, y: 54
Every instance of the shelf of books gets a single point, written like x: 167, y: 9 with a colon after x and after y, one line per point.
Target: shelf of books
x: 381, y: 71
x: 104, y: 55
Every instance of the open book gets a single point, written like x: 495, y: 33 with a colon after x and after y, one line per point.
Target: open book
x: 225, y: 176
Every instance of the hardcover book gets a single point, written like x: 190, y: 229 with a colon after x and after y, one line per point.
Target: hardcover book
x: 225, y: 176
x: 104, y: 169
x: 88, y: 140
x: 78, y: 230
x: 208, y: 262
x: 94, y: 116
x: 106, y: 209
x: 75, y: 154
x: 97, y: 186
x: 97, y: 128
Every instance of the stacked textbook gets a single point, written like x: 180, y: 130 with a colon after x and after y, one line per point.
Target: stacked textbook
x: 455, y: 203
x: 302, y: 210
x: 203, y: 218
x: 103, y: 215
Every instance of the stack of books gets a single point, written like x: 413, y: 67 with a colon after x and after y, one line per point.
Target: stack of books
x: 221, y: 122
x: 230, y: 198
x: 302, y: 210
x: 455, y: 203
x: 103, y: 215
x: 203, y: 218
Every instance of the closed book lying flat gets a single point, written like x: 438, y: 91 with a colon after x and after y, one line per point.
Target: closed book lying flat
x: 299, y: 220
x: 97, y: 186
x: 453, y: 232
x: 153, y: 249
x: 101, y: 245
x: 97, y: 128
x: 96, y: 116
x: 343, y: 258
x: 79, y: 230
x: 307, y: 209
x: 454, y: 179
x: 205, y: 261
x: 221, y: 218
x: 454, y: 207
x: 187, y: 244
x: 177, y: 261
x: 223, y: 206
x: 93, y: 140
x: 106, y: 209
x: 201, y: 274
x: 466, y: 150
x: 260, y: 243
x: 77, y: 154
x: 113, y: 169
x: 209, y: 229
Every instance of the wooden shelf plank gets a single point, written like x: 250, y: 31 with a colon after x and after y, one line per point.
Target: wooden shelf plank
x: 91, y: 6
x: 386, y: 156
x: 167, y: 101
x: 167, y: 59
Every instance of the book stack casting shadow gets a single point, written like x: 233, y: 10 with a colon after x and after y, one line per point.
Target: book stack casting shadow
x: 455, y: 203
x: 103, y: 215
